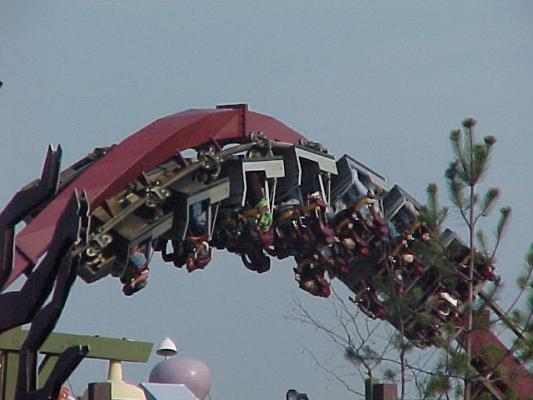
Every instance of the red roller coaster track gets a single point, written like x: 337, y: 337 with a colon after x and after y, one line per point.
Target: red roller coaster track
x: 256, y: 187
x: 141, y: 152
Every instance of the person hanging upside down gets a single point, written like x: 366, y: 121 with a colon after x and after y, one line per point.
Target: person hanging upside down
x: 136, y: 276
x: 310, y: 277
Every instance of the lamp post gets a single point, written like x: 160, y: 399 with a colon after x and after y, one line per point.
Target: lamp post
x: 293, y: 394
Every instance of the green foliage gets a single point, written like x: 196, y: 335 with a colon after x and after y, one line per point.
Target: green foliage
x: 525, y: 348
x: 469, y: 165
x: 452, y: 374
x: 493, y: 353
x: 389, y: 374
x: 524, y: 318
x: 522, y: 282
x: 529, y: 258
x: 464, y: 172
x: 358, y: 356
x: 432, y: 214
x: 489, y: 200
x: 438, y: 384
x: 505, y: 214
x: 510, y: 396
x: 458, y: 364
x: 485, y: 396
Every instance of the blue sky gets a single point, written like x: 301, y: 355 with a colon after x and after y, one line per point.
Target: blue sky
x: 384, y: 82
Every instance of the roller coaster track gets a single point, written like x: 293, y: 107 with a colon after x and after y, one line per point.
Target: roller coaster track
x: 254, y: 187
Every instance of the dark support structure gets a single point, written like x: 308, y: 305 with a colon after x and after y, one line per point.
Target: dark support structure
x: 22, y: 205
x: 380, y: 391
x: 98, y: 391
x: 57, y: 272
x: 384, y: 391
x: 60, y: 268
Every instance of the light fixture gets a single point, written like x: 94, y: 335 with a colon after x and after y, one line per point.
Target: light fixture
x: 295, y: 395
x: 167, y: 348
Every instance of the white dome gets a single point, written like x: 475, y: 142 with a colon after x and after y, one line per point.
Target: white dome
x: 190, y: 372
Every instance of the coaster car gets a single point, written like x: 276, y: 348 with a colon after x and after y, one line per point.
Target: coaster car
x: 308, y: 168
x: 401, y: 209
x: 353, y: 181
x: 200, y: 255
x: 293, y: 236
x: 193, y: 222
x: 369, y: 303
x: 445, y: 308
x: 459, y: 253
x: 316, y: 216
x: 310, y: 276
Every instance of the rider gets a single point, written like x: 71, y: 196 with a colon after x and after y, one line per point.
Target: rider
x: 137, y: 272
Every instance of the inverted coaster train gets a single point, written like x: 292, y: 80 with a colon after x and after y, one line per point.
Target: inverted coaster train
x: 252, y: 186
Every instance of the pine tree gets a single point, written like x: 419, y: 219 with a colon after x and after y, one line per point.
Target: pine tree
x: 463, y: 175
x: 452, y: 375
